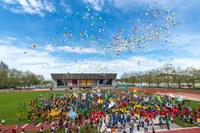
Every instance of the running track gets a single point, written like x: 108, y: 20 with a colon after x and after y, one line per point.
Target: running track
x: 149, y: 90
x: 188, y: 130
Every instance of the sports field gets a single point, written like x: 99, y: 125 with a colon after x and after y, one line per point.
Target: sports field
x: 11, y: 101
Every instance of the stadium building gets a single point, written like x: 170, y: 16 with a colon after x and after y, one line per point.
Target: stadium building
x: 83, y: 80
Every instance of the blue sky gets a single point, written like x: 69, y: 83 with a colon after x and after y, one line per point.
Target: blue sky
x: 99, y: 35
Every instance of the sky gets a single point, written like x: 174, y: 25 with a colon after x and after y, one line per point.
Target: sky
x: 60, y: 36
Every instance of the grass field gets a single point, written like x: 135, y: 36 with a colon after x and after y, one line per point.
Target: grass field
x: 193, y: 104
x: 9, y: 102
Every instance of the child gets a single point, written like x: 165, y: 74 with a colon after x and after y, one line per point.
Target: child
x: 167, y: 123
x: 172, y: 120
x: 184, y: 116
x: 160, y: 122
x: 41, y: 129
x: 66, y: 129
x: 86, y: 127
x: 20, y: 116
x: 78, y: 129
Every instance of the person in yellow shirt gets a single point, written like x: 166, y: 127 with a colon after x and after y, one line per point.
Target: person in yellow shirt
x: 20, y: 116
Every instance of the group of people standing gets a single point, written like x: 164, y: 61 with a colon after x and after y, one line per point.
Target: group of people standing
x: 110, y: 111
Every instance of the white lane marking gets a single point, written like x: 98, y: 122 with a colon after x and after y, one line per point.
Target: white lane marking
x: 38, y: 124
x: 24, y: 126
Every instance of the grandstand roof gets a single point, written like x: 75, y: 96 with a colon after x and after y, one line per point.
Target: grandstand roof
x: 83, y: 76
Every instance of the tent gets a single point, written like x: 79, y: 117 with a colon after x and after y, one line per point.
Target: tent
x: 72, y: 114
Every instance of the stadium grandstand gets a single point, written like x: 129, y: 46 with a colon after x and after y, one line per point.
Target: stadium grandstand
x: 83, y: 80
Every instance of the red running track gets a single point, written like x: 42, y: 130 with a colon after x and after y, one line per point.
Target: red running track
x: 149, y: 90
x: 188, y: 130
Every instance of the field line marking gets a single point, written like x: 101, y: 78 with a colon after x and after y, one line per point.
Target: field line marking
x: 24, y: 126
x: 38, y: 125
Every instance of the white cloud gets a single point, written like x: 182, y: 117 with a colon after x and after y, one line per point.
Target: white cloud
x: 78, y: 50
x: 8, y: 40
x: 9, y: 1
x: 41, y: 62
x: 127, y: 5
x: 49, y: 48
x: 95, y: 4
x: 186, y: 62
x: 29, y: 6
x: 70, y: 49
x: 66, y: 7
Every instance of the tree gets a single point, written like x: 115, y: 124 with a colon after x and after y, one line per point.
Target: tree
x: 157, y: 77
x: 14, y: 78
x: 125, y: 77
x: 167, y: 73
x: 193, y: 75
x: 148, y: 77
x: 3, y: 79
x: 133, y: 78
x: 179, y: 76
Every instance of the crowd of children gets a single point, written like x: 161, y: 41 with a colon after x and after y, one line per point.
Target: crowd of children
x: 110, y: 111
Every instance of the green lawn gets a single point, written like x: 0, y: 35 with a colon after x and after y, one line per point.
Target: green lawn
x: 193, y: 104
x: 9, y: 103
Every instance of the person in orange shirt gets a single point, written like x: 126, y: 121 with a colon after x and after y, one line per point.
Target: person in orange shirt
x: 47, y: 118
x: 113, y: 129
x: 43, y: 116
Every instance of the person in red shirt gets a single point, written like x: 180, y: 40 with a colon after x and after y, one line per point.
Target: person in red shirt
x: 194, y: 111
x: 181, y: 115
x: 80, y: 118
x: 195, y: 117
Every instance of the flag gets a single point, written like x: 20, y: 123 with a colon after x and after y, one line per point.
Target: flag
x: 54, y: 113
x: 72, y: 114
x: 111, y: 104
x: 198, y: 120
x: 159, y: 99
